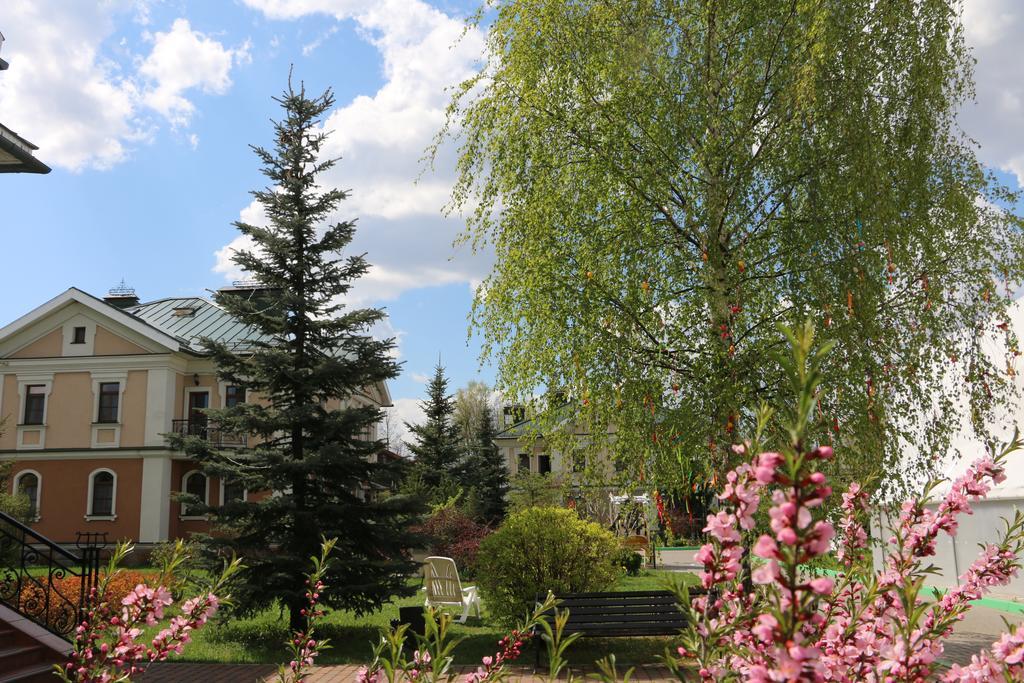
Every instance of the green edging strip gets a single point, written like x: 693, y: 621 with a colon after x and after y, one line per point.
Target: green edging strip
x: 992, y: 603
x: 1001, y: 605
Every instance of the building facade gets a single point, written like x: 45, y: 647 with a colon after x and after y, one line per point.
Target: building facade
x: 89, y: 390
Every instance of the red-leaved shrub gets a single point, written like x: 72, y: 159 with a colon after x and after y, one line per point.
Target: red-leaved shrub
x: 452, y: 533
x: 63, y: 599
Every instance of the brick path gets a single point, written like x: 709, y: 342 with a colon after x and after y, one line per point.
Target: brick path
x: 959, y: 649
x: 170, y: 672
x: 188, y: 672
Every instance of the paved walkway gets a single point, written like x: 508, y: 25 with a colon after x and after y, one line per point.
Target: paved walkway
x: 170, y: 672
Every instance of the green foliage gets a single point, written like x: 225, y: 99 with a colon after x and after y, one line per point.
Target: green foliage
x: 630, y: 560
x: 484, y: 474
x: 309, y: 348
x: 543, y: 549
x: 471, y: 401
x: 662, y: 182
x: 436, y: 446
x: 534, y: 490
x: 14, y: 504
x: 187, y: 557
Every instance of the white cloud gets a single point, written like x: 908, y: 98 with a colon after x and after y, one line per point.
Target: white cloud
x: 419, y: 377
x: 310, y: 47
x: 409, y: 410
x: 992, y: 29
x: 381, y: 139
x: 85, y: 102
x: 183, y: 59
x: 78, y: 106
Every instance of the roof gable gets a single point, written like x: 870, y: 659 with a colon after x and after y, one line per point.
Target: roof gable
x: 32, y: 326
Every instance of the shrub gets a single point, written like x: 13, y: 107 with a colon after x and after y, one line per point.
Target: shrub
x: 188, y: 570
x: 543, y: 549
x: 452, y: 533
x: 630, y: 560
x: 535, y: 490
x: 63, y: 599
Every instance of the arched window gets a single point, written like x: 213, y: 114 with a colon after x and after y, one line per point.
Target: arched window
x: 28, y: 484
x: 194, y: 483
x: 102, y: 492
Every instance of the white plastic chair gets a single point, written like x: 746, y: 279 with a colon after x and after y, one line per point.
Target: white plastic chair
x: 445, y: 590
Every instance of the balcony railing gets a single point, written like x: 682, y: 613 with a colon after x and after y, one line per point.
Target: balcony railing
x: 210, y: 432
x: 44, y: 582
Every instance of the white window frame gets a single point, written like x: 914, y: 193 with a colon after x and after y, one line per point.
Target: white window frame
x: 103, y: 377
x: 206, y: 493
x: 24, y: 381
x: 89, y: 516
x: 69, y: 349
x: 39, y: 490
x: 245, y: 493
x: 98, y: 378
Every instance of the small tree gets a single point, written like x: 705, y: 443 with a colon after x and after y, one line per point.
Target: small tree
x: 662, y: 182
x: 436, y: 446
x: 485, y: 476
x: 470, y: 402
x: 306, y: 351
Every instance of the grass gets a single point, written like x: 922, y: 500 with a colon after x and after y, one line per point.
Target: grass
x: 260, y: 639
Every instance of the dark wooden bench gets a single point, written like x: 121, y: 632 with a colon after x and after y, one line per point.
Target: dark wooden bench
x: 618, y: 615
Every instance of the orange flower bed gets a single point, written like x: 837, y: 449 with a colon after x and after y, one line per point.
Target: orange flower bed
x: 64, y: 598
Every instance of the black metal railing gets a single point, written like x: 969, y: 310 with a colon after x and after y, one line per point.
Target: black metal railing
x: 44, y: 582
x: 208, y: 431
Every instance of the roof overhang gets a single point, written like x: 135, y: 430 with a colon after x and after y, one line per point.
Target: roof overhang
x: 75, y: 295
x: 16, y: 154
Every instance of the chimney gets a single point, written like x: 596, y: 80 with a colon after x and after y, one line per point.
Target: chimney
x: 122, y: 296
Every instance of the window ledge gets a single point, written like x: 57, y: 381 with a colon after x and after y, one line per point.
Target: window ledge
x: 193, y: 518
x: 41, y: 424
x: 106, y: 424
x: 100, y: 518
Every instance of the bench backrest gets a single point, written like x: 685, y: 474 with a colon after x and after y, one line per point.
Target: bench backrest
x: 634, y: 613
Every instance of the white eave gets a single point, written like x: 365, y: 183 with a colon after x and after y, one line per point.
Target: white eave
x: 75, y: 295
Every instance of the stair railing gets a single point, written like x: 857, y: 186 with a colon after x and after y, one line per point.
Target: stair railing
x: 44, y: 582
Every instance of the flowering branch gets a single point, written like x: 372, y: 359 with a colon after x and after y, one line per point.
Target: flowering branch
x: 864, y: 626
x: 106, y: 647
x: 303, y: 646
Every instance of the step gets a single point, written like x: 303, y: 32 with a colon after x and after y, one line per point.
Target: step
x: 37, y: 673
x: 15, y: 657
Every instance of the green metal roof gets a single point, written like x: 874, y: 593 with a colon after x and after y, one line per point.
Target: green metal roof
x: 208, y: 320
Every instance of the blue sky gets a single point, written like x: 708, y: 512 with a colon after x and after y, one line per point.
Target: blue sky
x: 148, y: 193
x: 145, y: 110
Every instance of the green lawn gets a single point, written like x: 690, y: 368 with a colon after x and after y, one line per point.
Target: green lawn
x: 260, y: 639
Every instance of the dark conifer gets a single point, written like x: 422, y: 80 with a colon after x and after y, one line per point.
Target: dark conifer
x: 309, y: 461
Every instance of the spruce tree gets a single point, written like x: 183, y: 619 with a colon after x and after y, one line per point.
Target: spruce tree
x: 484, y: 473
x: 309, y: 457
x: 436, y: 446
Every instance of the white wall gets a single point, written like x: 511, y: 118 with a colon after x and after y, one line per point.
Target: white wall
x: 953, y: 556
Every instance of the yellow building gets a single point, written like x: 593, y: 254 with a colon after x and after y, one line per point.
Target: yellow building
x: 89, y: 389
